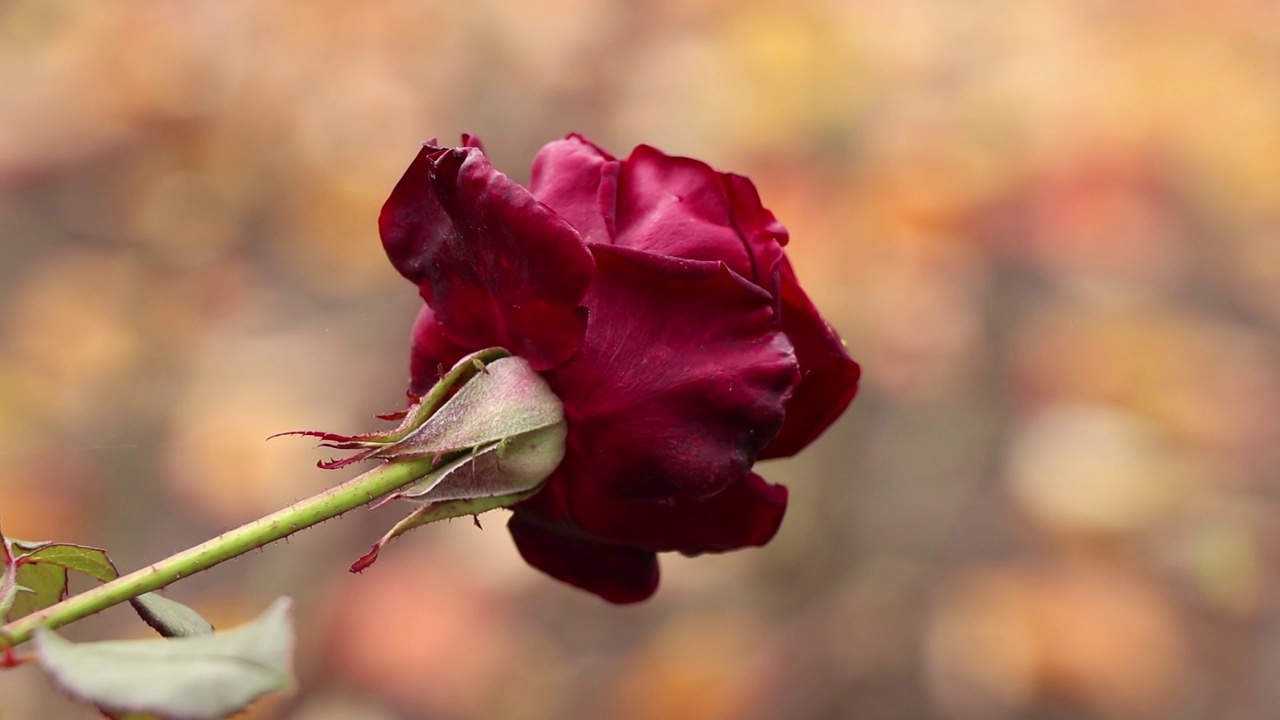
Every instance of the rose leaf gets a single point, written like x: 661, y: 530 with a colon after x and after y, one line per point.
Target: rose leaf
x: 88, y: 560
x: 168, y: 617
x: 39, y: 586
x: 187, y: 678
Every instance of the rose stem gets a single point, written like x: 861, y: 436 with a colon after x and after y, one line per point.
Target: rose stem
x: 360, y: 490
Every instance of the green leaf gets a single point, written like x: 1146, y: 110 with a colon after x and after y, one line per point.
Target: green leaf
x: 41, y: 573
x: 188, y: 678
x: 91, y: 561
x: 40, y: 586
x: 168, y: 617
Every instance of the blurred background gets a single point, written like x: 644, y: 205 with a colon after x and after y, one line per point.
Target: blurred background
x: 1048, y: 230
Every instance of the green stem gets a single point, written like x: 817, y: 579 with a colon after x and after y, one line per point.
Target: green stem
x: 331, y: 503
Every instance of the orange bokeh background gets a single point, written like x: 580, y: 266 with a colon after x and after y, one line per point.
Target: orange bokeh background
x: 1048, y: 229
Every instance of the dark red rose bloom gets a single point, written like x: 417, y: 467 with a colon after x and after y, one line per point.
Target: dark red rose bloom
x: 653, y: 295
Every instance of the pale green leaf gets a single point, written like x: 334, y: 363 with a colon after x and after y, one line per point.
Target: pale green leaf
x: 189, y: 678
x: 168, y: 617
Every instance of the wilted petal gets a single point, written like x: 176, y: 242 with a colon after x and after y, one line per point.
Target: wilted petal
x: 828, y: 376
x: 680, y: 380
x: 616, y: 573
x: 497, y: 267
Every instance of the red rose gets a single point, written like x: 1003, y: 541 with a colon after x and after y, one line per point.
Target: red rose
x: 653, y: 295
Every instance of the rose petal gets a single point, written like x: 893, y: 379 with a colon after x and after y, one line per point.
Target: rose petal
x: 410, y: 212
x: 680, y: 380
x: 579, y: 181
x: 678, y: 206
x: 828, y: 376
x: 747, y: 513
x: 431, y: 354
x: 616, y: 573
x: 497, y: 267
x: 762, y: 232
